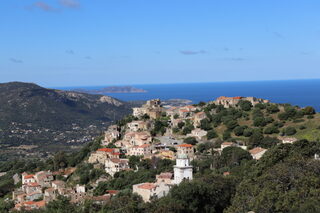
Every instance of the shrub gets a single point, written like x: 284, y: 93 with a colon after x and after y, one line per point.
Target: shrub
x: 290, y: 131
x: 190, y: 140
x: 211, y: 134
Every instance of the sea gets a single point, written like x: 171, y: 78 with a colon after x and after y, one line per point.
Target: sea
x: 296, y: 92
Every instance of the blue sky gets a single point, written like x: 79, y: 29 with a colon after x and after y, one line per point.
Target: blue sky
x: 117, y: 42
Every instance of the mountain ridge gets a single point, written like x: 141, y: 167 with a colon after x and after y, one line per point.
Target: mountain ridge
x: 31, y: 114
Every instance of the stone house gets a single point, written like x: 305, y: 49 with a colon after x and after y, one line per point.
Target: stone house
x: 227, y: 144
x: 110, y: 136
x: 152, y: 108
x: 172, y: 111
x: 30, y: 205
x: 199, y: 134
x: 165, y: 154
x: 185, y: 149
x: 27, y: 178
x: 142, y: 150
x: 135, y: 126
x: 150, y: 191
x: 122, y: 144
x: 198, y: 117
x: 50, y: 194
x: 290, y: 140
x: 33, y: 196
x: 58, y: 184
x: 165, y: 177
x: 139, y: 111
x: 31, y: 187
x: 114, y: 165
x: 44, y: 178
x: 174, y: 122
x: 138, y: 138
x: 257, y: 152
x: 184, y: 113
x: 234, y: 101
x: 101, y: 155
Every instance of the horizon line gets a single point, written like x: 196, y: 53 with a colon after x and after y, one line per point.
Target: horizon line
x: 204, y: 82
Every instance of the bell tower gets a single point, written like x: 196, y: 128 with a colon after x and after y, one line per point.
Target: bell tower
x: 182, y: 169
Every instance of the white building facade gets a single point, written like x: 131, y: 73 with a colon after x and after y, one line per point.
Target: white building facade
x: 182, y: 169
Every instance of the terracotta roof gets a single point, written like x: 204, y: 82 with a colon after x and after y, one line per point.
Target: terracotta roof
x: 190, y: 107
x: 33, y: 193
x: 226, y: 173
x: 106, y: 150
x: 28, y: 176
x: 165, y: 175
x: 116, y: 153
x: 41, y: 203
x: 144, y: 146
x: 256, y: 150
x: 184, y: 110
x: 147, y: 186
x: 33, y: 184
x: 29, y: 203
x: 50, y: 189
x: 200, y: 113
x: 69, y: 171
x: 227, y: 143
x: 224, y: 98
x: 185, y: 145
x: 112, y: 192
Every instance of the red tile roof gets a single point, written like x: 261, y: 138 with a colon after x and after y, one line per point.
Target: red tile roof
x: 165, y: 175
x: 185, y: 145
x: 33, y: 184
x: 256, y: 150
x: 28, y: 176
x: 227, y: 143
x: 106, y: 150
x: 144, y: 146
x: 226, y: 98
x: 147, y: 186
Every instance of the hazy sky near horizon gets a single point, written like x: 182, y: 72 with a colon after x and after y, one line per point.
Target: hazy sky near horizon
x: 114, y: 42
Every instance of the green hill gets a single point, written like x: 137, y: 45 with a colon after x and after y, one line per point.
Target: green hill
x: 33, y: 115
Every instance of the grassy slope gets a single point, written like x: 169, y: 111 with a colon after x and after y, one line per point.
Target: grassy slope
x: 311, y: 132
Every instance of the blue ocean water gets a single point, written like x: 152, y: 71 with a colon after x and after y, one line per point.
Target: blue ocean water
x: 296, y: 92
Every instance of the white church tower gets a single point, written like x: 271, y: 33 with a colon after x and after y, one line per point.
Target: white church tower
x: 182, y: 169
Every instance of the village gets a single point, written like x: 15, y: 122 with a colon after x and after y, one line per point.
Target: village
x: 134, y: 138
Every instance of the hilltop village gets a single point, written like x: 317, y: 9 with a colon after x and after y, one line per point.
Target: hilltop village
x: 178, y: 134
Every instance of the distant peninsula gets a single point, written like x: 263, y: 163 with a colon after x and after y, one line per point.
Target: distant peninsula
x: 113, y: 89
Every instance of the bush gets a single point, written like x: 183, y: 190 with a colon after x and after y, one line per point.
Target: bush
x: 226, y: 135
x: 259, y: 122
x: 260, y: 106
x: 190, y: 140
x: 232, y: 124
x: 290, y: 131
x: 211, y: 134
x: 271, y: 130
x: 238, y: 131
x: 309, y: 110
x: 247, y: 132
x: 245, y: 105
x: 181, y: 124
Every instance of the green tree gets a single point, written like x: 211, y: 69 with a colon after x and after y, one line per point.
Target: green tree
x: 245, y: 105
x: 190, y: 140
x: 290, y: 131
x: 211, y: 134
x: 232, y: 156
x: 309, y: 110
